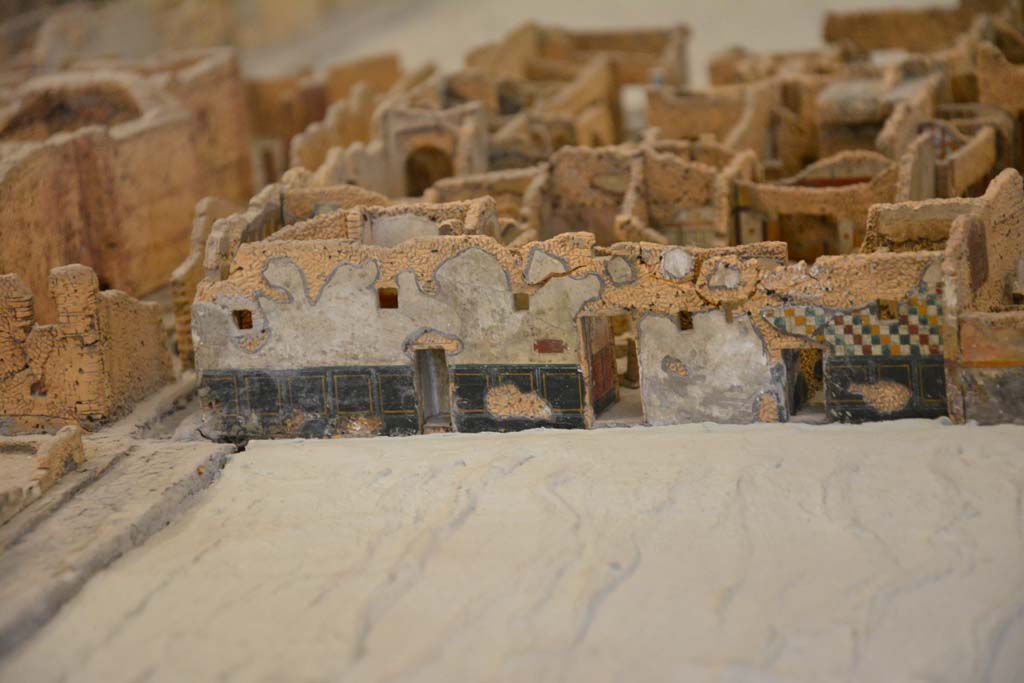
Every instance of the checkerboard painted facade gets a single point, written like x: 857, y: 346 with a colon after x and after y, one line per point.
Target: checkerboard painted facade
x: 916, y: 331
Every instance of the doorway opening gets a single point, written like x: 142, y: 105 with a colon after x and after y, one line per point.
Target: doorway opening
x: 434, y: 391
x: 805, y: 393
x: 424, y: 167
x: 612, y: 354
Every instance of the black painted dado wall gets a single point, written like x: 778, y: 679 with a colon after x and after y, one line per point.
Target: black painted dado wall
x: 314, y: 402
x: 323, y: 402
x: 924, y: 376
x: 561, y: 386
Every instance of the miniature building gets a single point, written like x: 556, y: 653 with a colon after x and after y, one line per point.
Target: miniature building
x: 336, y: 101
x: 461, y: 333
x: 519, y: 336
x: 299, y: 208
x: 416, y: 148
x: 104, y: 353
x: 980, y: 310
x: 741, y: 117
x: 103, y: 167
x: 823, y: 209
x: 667, y: 192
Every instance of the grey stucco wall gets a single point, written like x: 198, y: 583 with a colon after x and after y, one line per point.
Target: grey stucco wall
x: 473, y: 303
x: 715, y: 372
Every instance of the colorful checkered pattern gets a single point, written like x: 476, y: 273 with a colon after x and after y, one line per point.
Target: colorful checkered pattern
x: 801, y: 321
x: 916, y: 330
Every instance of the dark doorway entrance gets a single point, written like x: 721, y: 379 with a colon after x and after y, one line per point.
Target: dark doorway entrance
x: 424, y: 167
x: 434, y: 390
x: 805, y: 393
x: 611, y: 350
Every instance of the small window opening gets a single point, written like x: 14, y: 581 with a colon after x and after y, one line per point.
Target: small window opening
x: 387, y: 297
x: 685, y: 320
x: 888, y: 309
x: 728, y: 313
x: 243, y: 319
x: 521, y: 301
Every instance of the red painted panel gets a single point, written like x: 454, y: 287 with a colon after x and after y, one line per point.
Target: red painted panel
x: 548, y: 345
x: 602, y: 365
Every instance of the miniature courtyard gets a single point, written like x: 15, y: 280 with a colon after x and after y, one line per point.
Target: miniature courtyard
x: 422, y: 341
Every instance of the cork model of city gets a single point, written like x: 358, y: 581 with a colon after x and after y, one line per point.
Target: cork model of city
x: 438, y: 340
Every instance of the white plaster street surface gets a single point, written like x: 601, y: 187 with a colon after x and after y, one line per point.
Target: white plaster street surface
x: 768, y: 553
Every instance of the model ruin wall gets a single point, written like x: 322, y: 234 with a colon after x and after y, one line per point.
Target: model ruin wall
x: 826, y: 235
